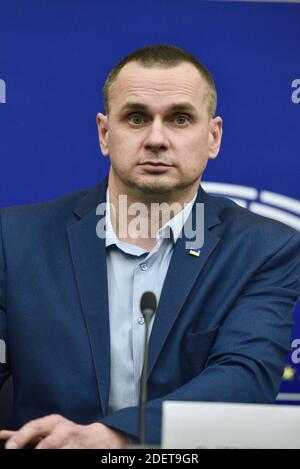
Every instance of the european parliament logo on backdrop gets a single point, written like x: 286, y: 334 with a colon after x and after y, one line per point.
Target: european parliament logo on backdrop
x: 268, y: 204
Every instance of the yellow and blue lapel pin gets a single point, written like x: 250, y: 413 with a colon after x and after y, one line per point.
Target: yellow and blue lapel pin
x: 195, y: 252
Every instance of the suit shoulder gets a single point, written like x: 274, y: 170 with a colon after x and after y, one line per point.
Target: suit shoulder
x: 60, y: 206
x: 241, y: 219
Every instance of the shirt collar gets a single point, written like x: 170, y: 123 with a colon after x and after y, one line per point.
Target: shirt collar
x: 174, y: 225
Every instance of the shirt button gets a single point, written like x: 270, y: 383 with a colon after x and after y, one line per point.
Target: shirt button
x: 144, y: 266
x: 141, y: 321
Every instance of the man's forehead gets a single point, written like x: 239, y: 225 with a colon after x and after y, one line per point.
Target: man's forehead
x: 136, y: 81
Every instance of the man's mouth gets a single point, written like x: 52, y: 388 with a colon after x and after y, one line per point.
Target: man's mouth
x: 155, y: 166
x: 155, y: 163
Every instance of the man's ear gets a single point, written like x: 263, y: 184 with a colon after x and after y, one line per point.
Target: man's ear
x: 215, y: 136
x: 103, y: 124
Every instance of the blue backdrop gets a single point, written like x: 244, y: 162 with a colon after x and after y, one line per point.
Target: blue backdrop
x: 55, y: 55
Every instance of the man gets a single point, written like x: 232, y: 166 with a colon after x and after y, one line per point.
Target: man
x: 69, y: 298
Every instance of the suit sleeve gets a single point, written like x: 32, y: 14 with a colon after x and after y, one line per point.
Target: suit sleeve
x: 247, y: 360
x: 4, y: 368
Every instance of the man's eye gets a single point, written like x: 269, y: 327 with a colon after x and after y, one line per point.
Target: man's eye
x: 181, y: 119
x: 136, y: 119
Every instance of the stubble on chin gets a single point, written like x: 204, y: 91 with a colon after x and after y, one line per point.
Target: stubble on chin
x: 155, y: 185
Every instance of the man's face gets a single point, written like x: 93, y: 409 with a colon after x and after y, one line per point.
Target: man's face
x: 158, y: 133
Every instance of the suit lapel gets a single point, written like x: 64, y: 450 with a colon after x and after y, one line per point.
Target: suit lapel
x: 89, y: 259
x: 182, y: 274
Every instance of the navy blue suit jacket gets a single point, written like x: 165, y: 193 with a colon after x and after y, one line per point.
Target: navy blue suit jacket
x: 221, y: 332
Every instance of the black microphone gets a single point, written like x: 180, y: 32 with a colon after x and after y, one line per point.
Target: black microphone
x: 148, y: 308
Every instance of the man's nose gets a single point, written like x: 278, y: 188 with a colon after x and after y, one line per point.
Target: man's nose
x: 156, y: 139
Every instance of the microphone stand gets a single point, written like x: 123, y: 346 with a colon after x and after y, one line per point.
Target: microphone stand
x: 147, y: 313
x: 148, y: 307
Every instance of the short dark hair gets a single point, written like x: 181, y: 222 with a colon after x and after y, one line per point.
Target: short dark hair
x: 163, y: 56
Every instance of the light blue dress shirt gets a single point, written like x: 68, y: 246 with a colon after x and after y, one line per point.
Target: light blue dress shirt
x: 131, y: 271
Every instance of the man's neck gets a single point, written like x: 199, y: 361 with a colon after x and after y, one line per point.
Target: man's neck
x: 138, y: 216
